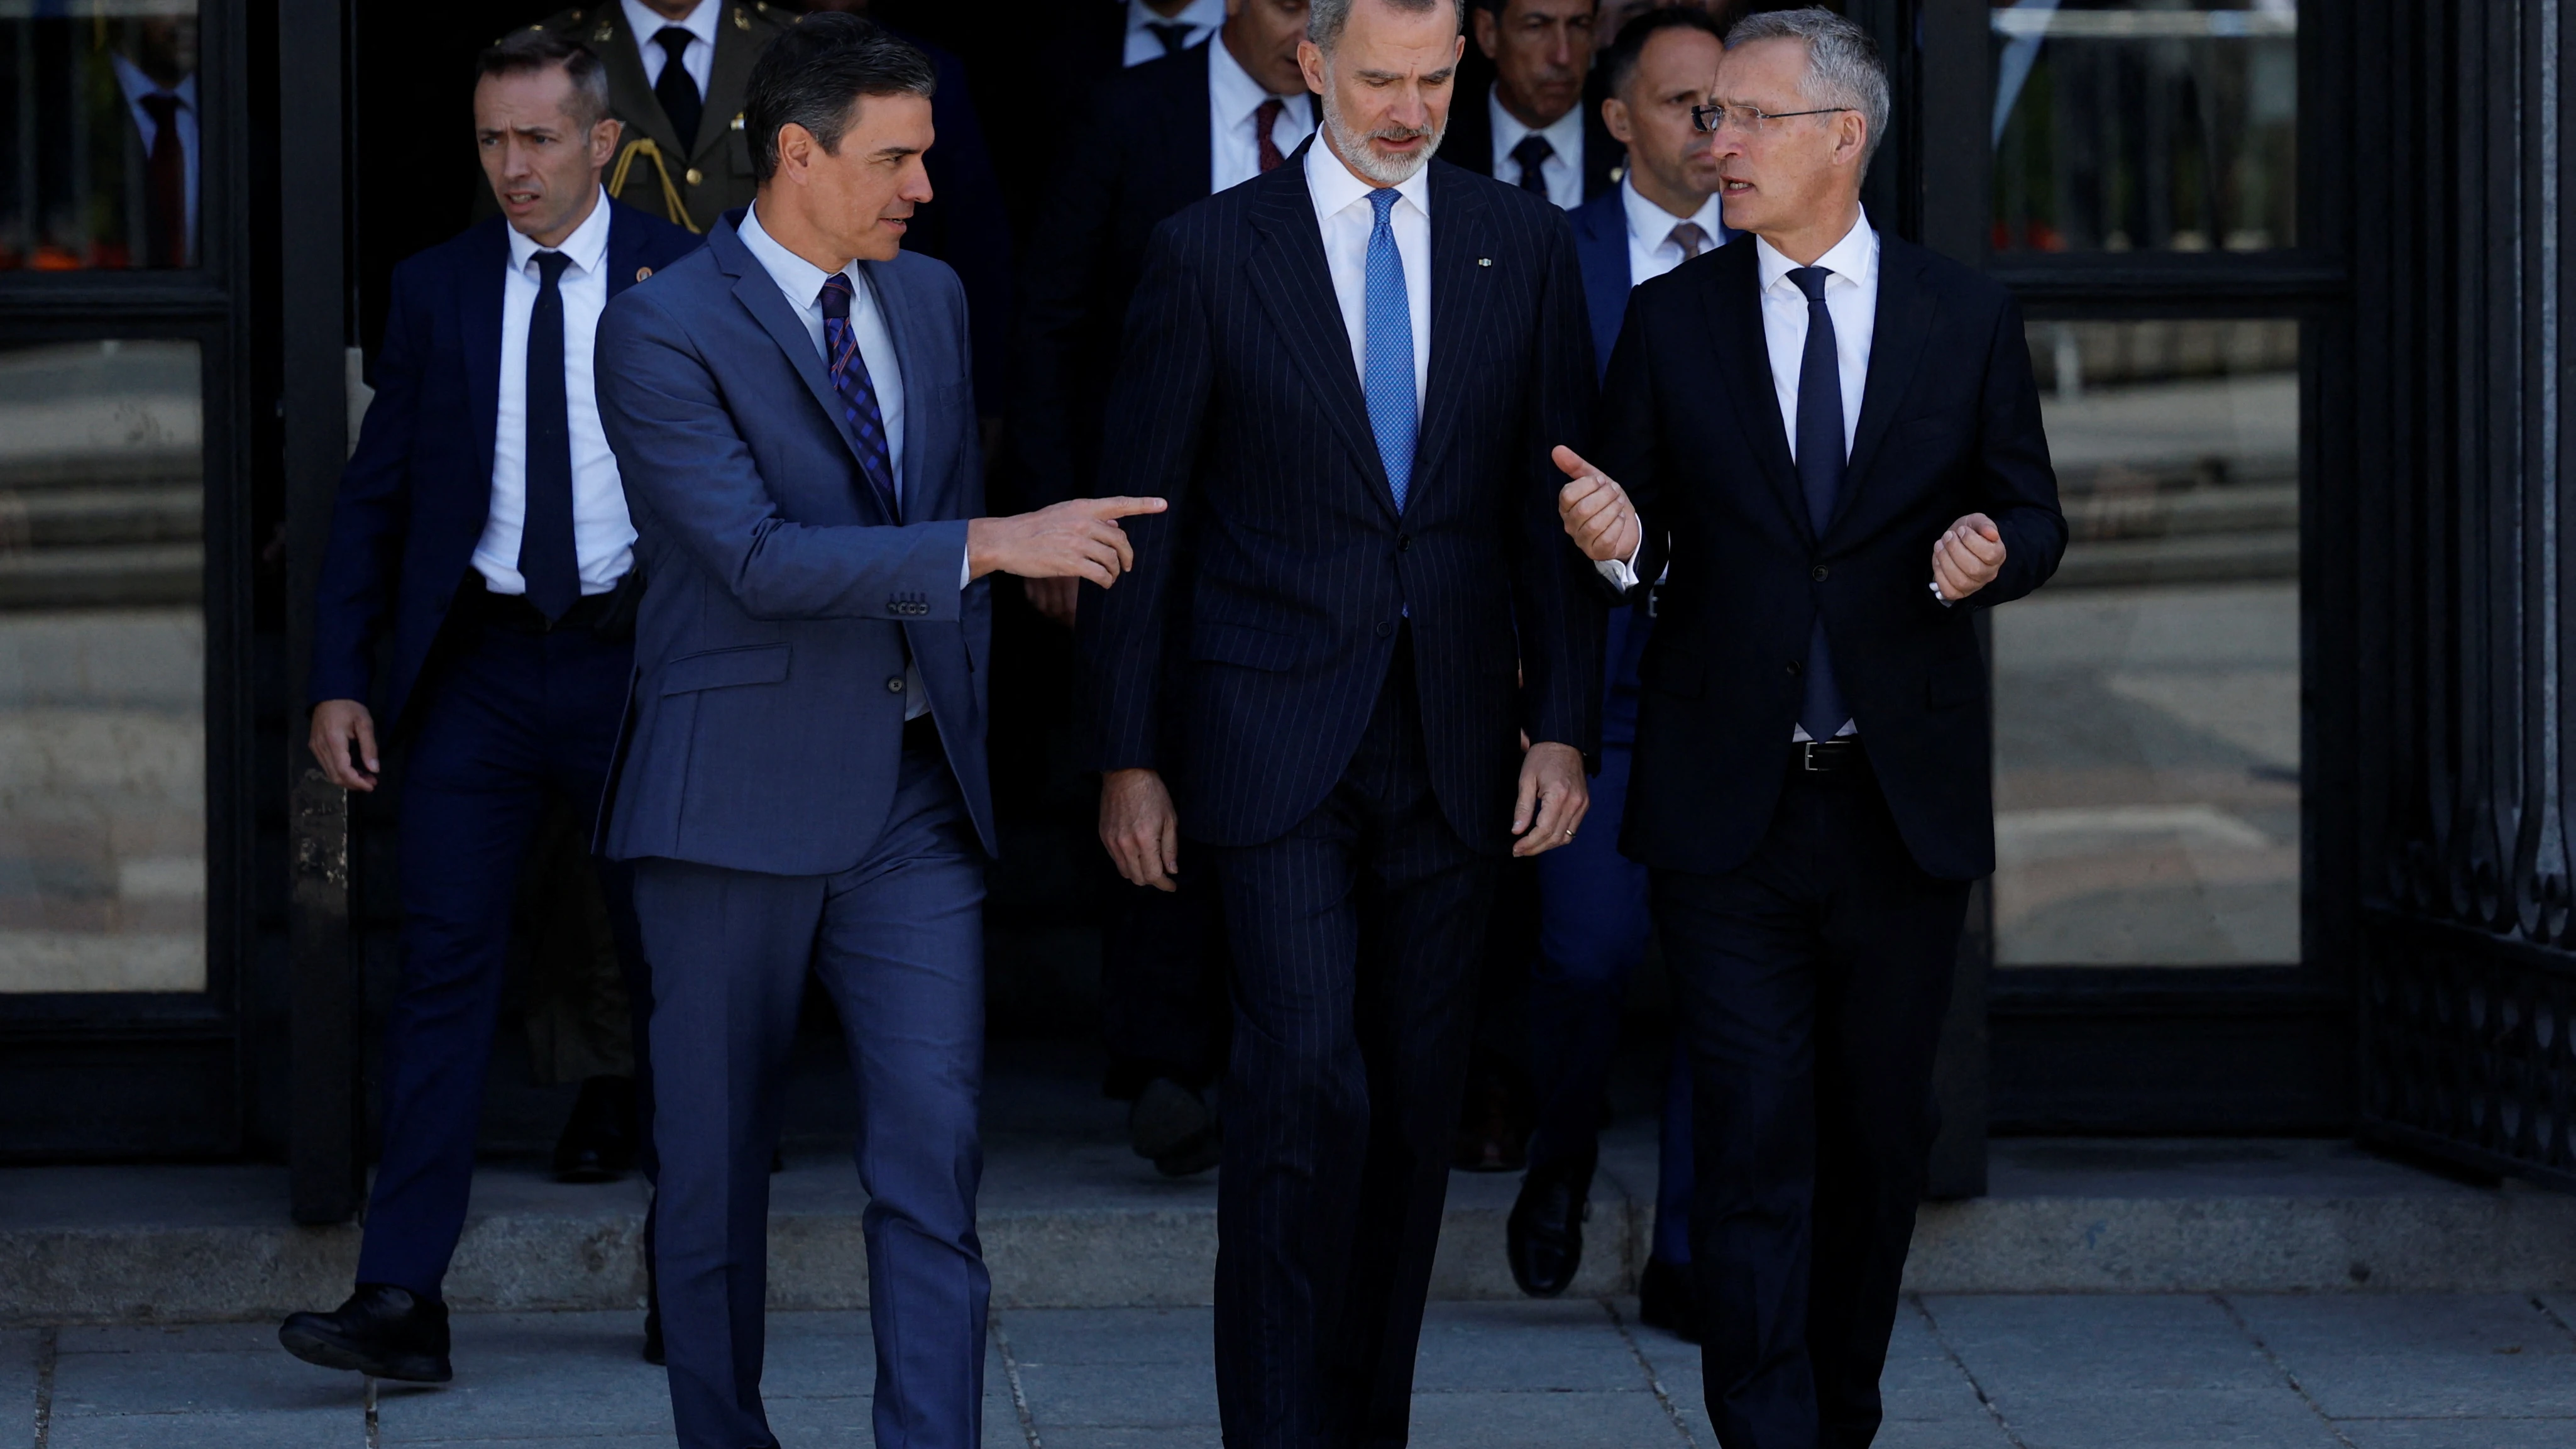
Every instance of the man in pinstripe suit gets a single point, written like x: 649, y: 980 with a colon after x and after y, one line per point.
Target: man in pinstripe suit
x: 1345, y: 375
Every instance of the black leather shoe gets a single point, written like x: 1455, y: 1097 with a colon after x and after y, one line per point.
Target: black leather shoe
x: 1544, y: 1235
x: 382, y: 1331
x: 1175, y: 1127
x: 653, y: 1332
x: 598, y: 1142
x: 1667, y: 1300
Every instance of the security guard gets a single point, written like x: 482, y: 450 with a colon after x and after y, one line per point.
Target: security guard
x: 676, y: 71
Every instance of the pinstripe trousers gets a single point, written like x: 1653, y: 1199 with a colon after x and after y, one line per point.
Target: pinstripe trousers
x: 1355, y: 940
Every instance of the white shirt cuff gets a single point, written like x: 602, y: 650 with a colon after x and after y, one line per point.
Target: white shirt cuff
x: 1622, y: 573
x: 965, y: 569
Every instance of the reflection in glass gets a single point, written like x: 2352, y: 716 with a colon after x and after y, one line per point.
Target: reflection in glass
x: 2147, y: 699
x: 2165, y: 125
x: 100, y: 146
x: 102, y: 669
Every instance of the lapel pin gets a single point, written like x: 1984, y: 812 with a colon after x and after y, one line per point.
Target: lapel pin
x: 642, y: 272
x: 1484, y: 261
x: 740, y: 20
x: 604, y: 34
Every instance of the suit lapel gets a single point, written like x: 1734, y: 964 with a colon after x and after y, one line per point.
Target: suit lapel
x: 625, y: 241
x: 1905, y: 310
x: 728, y: 80
x: 1732, y: 294
x: 1287, y: 272
x: 480, y: 328
x: 908, y: 324
x: 1460, y: 239
x: 757, y: 291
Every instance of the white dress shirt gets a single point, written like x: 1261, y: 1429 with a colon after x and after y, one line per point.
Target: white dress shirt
x: 135, y: 85
x: 700, y: 58
x: 603, y: 538
x: 1651, y: 250
x: 1343, y: 210
x: 1562, y: 171
x: 1234, y: 142
x: 1201, y: 16
x: 801, y: 282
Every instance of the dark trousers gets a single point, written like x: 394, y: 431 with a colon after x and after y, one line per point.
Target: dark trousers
x: 1163, y: 963
x: 1593, y: 923
x: 1813, y: 980
x: 898, y: 942
x: 512, y: 720
x: 1356, y: 937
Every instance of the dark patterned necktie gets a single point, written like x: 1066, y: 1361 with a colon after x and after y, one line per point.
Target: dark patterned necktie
x: 1263, y: 122
x: 858, y: 393
x: 1531, y: 153
x: 549, y: 561
x: 1690, y: 236
x: 1175, y: 35
x: 677, y: 90
x: 165, y: 196
x: 1820, y: 477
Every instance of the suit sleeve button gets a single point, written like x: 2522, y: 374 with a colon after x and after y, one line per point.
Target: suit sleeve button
x: 895, y: 685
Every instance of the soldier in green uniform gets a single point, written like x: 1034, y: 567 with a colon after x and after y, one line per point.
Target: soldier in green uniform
x: 676, y: 70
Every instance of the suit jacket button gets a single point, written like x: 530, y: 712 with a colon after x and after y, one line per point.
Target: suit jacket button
x: 1796, y: 668
x: 895, y: 685
x: 1385, y: 628
x: 1403, y: 542
x: 1817, y: 573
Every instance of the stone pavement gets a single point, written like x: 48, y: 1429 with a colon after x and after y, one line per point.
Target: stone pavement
x: 2142, y: 1371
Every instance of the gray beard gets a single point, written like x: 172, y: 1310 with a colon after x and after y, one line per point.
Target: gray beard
x: 1353, y: 148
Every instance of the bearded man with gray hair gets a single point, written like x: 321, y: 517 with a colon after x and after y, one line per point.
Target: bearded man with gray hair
x: 1357, y: 668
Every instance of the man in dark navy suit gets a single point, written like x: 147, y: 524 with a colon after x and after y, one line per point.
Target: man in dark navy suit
x: 1833, y: 439
x: 483, y: 518
x: 1161, y: 135
x: 1530, y: 126
x: 1592, y: 900
x: 1343, y: 376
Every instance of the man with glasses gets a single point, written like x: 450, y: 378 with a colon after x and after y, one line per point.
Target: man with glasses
x: 1811, y: 794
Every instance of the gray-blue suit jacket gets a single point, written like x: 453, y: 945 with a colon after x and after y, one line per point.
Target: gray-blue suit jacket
x: 765, y: 727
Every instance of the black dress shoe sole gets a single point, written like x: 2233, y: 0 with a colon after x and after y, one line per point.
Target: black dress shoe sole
x: 331, y: 1353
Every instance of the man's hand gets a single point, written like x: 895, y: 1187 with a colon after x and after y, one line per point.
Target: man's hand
x: 1053, y: 598
x: 1077, y: 539
x: 1138, y: 825
x: 1553, y: 800
x: 337, y: 723
x: 1597, y: 514
x: 1968, y: 557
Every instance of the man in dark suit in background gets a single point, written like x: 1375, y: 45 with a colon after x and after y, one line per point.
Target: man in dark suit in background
x: 1159, y: 136
x: 1833, y: 438
x: 803, y: 787
x: 1343, y: 375
x: 1592, y: 900
x: 482, y: 512
x: 1531, y: 128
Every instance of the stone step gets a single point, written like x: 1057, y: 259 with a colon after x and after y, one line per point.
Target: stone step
x: 1082, y: 1223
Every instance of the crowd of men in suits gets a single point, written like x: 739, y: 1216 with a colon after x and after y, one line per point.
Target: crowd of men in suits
x: 1560, y: 474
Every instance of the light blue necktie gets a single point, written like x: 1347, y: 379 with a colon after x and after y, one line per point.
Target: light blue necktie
x: 1388, y: 377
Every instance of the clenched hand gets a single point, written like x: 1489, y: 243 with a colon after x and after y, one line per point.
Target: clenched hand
x: 1076, y: 539
x: 1596, y: 511
x: 1967, y: 557
x: 1140, y: 828
x: 337, y: 725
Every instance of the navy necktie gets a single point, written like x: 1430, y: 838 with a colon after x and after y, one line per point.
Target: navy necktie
x: 1532, y: 153
x: 548, y: 562
x: 858, y: 393
x: 1820, y: 477
x: 677, y: 90
x: 1175, y: 34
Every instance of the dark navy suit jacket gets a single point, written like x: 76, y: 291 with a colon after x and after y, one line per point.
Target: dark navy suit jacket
x: 1284, y: 554
x: 766, y: 727
x: 417, y: 492
x: 1949, y: 425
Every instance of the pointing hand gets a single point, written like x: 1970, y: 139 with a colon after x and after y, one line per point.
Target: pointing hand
x: 1597, y: 514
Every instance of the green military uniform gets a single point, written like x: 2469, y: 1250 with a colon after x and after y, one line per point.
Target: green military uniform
x: 691, y: 184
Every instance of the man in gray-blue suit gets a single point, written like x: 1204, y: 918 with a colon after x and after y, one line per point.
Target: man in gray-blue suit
x: 802, y: 787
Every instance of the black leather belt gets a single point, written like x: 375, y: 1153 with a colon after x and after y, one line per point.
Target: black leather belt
x: 514, y: 613
x: 1827, y: 757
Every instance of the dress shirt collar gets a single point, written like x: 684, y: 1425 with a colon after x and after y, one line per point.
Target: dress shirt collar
x: 587, y: 246
x: 1202, y: 14
x: 800, y: 279
x: 647, y: 22
x: 136, y: 85
x: 1564, y: 134
x: 1653, y: 226
x: 1233, y: 91
x: 1334, y: 186
x: 1854, y: 258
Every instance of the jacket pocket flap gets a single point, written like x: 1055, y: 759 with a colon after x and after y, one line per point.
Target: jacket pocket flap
x: 723, y: 668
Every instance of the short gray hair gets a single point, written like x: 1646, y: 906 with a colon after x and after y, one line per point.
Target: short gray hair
x: 1326, y: 18
x: 1843, y: 66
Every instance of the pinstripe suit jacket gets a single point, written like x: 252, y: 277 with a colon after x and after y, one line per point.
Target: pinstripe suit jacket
x: 1244, y: 656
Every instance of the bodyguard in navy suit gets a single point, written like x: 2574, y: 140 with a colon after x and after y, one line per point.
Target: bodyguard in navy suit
x: 481, y: 517
x: 802, y: 787
x: 1592, y: 900
x: 1833, y: 439
x: 1344, y: 374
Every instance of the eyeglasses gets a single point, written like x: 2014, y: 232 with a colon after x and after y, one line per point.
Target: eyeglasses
x: 1715, y: 118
